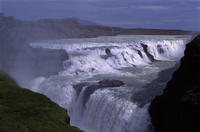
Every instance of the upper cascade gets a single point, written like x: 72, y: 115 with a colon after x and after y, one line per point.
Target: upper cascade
x: 95, y: 55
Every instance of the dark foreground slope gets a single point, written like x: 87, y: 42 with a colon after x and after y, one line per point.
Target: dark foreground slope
x: 178, y: 108
x: 24, y: 111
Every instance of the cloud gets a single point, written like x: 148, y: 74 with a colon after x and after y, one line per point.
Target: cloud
x: 135, y: 13
x: 151, y: 7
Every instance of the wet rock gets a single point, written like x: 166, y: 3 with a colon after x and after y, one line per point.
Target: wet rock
x: 89, y: 91
x: 108, y: 52
x: 160, y: 49
x: 79, y: 87
x: 68, y: 120
x: 140, y: 54
x: 145, y: 48
x: 110, y: 83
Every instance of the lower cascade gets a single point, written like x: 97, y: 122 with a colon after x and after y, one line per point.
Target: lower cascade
x: 108, y: 82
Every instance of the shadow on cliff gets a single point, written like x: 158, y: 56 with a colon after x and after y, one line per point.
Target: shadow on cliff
x: 178, y: 108
x: 155, y: 88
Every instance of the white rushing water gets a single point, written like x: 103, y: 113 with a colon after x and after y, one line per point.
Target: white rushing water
x: 137, y: 60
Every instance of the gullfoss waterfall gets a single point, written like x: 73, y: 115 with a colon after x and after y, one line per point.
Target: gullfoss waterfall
x: 136, y: 60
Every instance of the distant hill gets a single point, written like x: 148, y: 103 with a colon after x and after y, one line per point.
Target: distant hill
x: 86, y: 22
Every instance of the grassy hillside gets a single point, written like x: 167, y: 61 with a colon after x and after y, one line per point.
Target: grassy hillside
x: 24, y: 111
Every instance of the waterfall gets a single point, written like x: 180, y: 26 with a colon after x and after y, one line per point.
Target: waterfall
x: 136, y: 60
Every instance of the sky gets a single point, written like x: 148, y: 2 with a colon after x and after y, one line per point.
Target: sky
x: 157, y: 14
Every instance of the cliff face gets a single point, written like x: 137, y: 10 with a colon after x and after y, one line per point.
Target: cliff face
x: 178, y: 108
x: 24, y: 111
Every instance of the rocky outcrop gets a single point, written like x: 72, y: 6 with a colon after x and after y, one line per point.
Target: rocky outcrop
x: 24, y: 111
x: 145, y: 48
x: 178, y: 108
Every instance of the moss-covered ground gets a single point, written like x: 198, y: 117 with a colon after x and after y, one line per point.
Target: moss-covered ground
x: 24, y: 111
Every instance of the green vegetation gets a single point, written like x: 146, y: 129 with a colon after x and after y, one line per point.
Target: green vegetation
x: 191, y: 97
x: 24, y: 111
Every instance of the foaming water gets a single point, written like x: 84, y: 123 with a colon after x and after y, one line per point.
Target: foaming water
x: 136, y: 60
x: 105, y: 112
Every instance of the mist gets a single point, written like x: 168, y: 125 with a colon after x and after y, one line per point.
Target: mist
x: 19, y: 59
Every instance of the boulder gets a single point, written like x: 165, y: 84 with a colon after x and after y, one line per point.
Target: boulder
x: 110, y: 83
x: 108, y: 52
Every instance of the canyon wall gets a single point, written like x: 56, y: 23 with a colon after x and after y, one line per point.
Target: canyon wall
x: 178, y: 108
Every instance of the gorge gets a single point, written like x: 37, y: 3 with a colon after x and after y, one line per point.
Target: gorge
x: 139, y: 61
x: 106, y: 77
